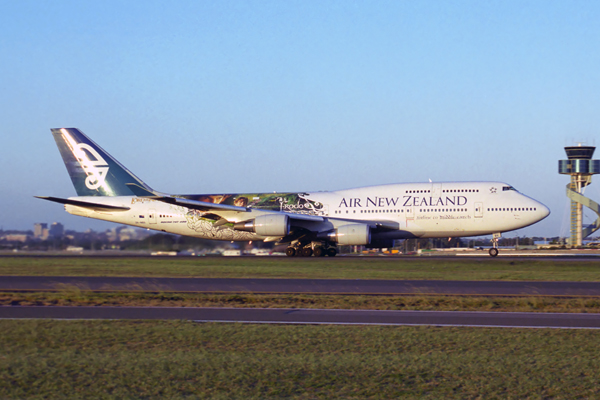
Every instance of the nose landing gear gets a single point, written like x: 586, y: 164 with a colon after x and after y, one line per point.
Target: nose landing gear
x: 494, y: 249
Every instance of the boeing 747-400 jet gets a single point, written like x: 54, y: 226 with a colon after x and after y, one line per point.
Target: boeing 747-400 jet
x: 310, y: 223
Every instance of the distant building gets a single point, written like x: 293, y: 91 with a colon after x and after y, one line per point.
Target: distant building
x: 125, y: 233
x: 15, y: 237
x: 112, y: 234
x: 40, y: 231
x: 57, y: 230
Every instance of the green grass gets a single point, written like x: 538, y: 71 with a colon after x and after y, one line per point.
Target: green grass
x: 156, y: 360
x: 341, y: 268
x: 77, y: 298
x: 175, y: 359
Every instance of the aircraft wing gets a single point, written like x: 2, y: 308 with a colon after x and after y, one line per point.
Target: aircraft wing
x: 374, y: 224
x: 207, y: 206
x: 308, y: 222
x: 384, y: 225
x: 199, y: 205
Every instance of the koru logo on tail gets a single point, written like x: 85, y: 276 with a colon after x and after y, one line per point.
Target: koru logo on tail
x: 95, y: 169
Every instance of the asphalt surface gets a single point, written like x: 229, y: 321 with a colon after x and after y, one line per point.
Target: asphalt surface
x: 310, y: 316
x: 299, y: 286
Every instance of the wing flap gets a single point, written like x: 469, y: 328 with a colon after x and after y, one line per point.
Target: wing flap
x: 199, y: 205
x: 303, y: 217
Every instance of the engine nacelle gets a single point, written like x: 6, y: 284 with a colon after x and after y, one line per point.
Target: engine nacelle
x: 266, y: 225
x: 353, y: 235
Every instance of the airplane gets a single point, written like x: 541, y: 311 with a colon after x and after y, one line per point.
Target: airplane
x: 310, y: 223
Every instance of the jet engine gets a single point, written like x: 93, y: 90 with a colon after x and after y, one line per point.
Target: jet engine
x: 266, y: 225
x: 353, y: 234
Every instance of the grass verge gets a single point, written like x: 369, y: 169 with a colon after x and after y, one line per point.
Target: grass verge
x: 337, y: 268
x: 173, y: 359
x: 437, y: 303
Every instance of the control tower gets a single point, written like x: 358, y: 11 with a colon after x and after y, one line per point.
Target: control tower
x: 581, y: 167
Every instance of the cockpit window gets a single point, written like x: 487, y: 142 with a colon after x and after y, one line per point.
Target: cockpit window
x: 505, y: 188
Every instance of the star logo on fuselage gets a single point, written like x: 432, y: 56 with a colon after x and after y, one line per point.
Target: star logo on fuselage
x: 492, y: 190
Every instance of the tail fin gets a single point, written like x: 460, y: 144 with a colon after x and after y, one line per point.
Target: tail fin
x: 93, y: 171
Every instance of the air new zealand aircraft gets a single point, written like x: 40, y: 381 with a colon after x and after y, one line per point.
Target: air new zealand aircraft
x: 310, y: 223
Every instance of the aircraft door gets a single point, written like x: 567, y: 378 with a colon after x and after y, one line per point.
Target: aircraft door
x: 410, y: 212
x: 152, y: 216
x: 436, y: 190
x: 478, y: 210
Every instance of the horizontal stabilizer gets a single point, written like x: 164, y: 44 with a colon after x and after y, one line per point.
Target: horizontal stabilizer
x: 84, y: 204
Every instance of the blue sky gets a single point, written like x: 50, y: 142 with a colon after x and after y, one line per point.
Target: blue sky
x: 232, y: 96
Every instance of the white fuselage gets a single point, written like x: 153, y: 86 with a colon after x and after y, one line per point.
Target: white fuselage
x: 425, y: 210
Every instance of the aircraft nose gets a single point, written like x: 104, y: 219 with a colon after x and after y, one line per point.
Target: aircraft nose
x: 542, y: 211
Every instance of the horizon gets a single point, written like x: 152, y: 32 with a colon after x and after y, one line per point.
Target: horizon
x: 151, y: 231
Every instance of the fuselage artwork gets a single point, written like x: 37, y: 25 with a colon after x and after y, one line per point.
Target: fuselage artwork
x: 311, y: 223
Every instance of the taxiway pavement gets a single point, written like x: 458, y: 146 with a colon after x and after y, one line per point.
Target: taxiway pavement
x: 310, y: 316
x: 300, y: 286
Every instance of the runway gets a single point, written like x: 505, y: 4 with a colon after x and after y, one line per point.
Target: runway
x: 306, y: 286
x: 301, y: 286
x: 310, y: 316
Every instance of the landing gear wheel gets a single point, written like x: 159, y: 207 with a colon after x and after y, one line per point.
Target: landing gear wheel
x: 307, y: 252
x: 493, y: 252
x: 331, y: 252
x: 319, y: 251
x: 290, y: 252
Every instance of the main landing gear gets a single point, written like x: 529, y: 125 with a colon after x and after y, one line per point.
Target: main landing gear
x: 494, y: 249
x: 317, y: 249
